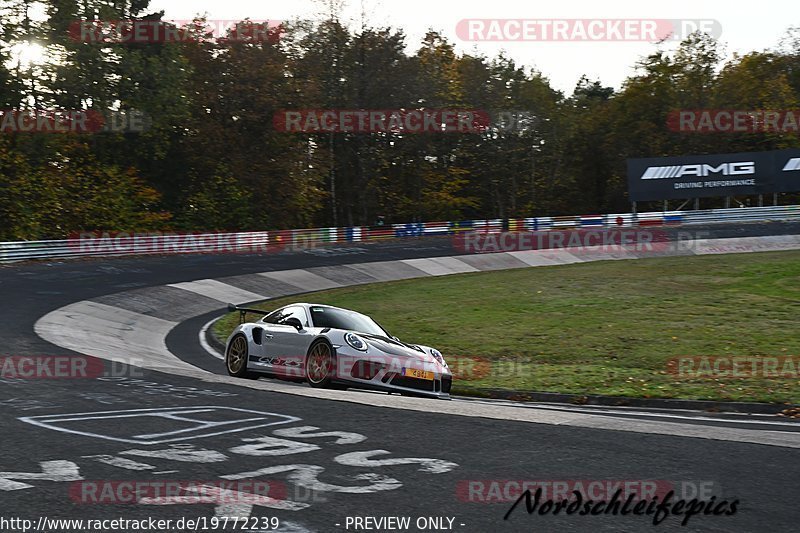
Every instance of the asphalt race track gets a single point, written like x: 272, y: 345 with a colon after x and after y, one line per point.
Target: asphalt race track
x: 333, y: 458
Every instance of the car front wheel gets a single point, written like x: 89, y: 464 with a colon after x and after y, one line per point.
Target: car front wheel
x: 320, y: 365
x: 236, y: 358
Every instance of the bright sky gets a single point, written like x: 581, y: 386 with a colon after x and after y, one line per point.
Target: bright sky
x: 744, y: 28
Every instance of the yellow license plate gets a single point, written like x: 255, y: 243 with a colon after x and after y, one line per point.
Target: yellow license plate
x: 419, y: 374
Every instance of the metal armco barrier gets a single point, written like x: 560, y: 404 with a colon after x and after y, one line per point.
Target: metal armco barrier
x: 109, y: 244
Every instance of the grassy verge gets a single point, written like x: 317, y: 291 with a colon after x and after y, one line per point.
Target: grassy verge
x: 597, y: 328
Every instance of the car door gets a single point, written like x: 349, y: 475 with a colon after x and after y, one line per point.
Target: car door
x: 285, y: 348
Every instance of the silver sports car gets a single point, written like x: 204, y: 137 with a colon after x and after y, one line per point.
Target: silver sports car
x: 334, y: 348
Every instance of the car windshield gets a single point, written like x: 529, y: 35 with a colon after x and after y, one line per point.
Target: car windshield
x: 329, y: 317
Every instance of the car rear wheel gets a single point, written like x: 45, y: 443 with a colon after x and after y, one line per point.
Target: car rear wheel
x: 236, y: 358
x: 320, y: 365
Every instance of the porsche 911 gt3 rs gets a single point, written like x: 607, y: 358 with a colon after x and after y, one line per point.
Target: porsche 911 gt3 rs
x: 331, y: 347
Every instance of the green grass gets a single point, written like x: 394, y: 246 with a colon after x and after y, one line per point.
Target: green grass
x: 597, y: 328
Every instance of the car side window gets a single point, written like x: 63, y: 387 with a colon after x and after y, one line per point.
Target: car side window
x: 280, y: 316
x: 275, y: 317
x: 298, y: 313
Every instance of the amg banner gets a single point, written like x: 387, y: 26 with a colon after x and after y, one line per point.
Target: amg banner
x: 698, y: 176
x: 787, y: 167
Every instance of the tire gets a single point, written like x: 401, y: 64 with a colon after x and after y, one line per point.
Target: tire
x: 236, y: 358
x: 320, y: 365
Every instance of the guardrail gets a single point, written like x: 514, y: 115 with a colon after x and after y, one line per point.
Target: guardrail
x: 109, y: 244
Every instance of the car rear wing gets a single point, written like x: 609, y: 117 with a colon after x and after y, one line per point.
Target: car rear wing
x: 244, y: 310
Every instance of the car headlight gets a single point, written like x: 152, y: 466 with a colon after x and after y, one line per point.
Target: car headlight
x: 438, y: 356
x: 355, y: 342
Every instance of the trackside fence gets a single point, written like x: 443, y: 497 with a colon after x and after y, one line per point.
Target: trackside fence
x: 109, y: 244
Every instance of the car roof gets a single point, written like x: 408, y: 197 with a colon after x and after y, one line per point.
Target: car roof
x: 305, y: 304
x: 333, y: 307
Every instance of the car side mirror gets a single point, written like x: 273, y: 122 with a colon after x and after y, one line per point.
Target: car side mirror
x: 294, y: 322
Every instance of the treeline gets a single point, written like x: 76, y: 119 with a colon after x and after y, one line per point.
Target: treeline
x: 211, y: 159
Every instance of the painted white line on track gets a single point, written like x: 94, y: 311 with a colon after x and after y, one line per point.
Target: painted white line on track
x: 204, y: 343
x: 616, y: 411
